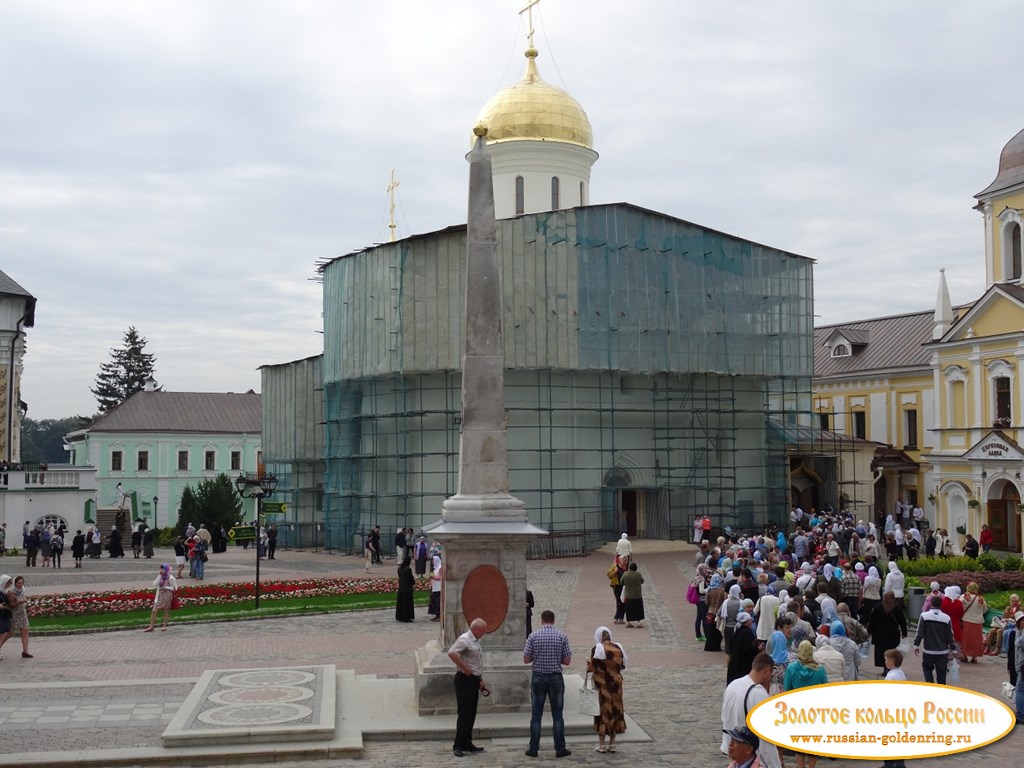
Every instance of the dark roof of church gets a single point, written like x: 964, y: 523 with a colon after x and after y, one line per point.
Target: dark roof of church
x: 10, y: 288
x: 206, y: 412
x: 892, y: 343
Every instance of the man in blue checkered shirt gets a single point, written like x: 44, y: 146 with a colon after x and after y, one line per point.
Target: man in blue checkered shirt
x: 548, y: 651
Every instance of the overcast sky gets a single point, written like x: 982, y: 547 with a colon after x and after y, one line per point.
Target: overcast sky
x: 181, y: 166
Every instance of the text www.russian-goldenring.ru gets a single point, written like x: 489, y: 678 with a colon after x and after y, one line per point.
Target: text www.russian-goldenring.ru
x: 904, y: 737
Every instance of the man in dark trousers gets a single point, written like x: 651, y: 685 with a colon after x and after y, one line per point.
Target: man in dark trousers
x: 548, y: 651
x: 935, y: 632
x: 468, y: 657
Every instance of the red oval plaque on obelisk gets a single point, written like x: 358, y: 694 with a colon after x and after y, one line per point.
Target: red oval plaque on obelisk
x: 485, y: 596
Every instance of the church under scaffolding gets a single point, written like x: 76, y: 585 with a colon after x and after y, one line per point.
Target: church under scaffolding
x: 654, y: 370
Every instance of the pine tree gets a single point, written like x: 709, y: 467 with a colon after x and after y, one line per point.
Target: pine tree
x: 214, y: 502
x: 125, y: 374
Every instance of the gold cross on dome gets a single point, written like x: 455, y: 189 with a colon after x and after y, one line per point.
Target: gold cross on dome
x: 528, y: 10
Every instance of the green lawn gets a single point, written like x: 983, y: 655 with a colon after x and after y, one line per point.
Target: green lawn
x: 225, y: 612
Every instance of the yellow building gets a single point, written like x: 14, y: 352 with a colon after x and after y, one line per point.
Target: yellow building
x: 942, y: 388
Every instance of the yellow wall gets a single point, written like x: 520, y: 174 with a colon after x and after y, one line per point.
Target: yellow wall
x: 998, y: 204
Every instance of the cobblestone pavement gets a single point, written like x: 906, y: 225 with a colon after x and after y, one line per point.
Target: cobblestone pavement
x: 77, y: 686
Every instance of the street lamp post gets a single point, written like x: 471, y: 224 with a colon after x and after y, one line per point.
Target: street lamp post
x: 259, y: 489
x: 155, y: 523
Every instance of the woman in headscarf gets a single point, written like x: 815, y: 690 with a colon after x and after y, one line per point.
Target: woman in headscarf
x: 744, y: 648
x: 802, y: 672
x: 890, y: 525
x: 623, y: 548
x: 606, y: 662
x: 838, y: 639
x: 767, y: 611
x: 778, y: 648
x: 404, y: 609
x: 436, y: 574
x: 715, y: 597
x: 165, y: 585
x: 729, y: 610
x: 974, y: 621
x: 872, y: 595
x: 18, y: 603
x: 6, y: 615
x: 895, y: 582
x: 887, y: 625
x: 700, y: 580
x: 952, y: 607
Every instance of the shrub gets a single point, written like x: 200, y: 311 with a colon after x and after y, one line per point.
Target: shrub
x: 165, y: 537
x: 929, y: 566
x: 990, y: 562
x: 1013, y: 563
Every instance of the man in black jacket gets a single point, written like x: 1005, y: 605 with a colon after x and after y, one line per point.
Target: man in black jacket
x: 935, y: 632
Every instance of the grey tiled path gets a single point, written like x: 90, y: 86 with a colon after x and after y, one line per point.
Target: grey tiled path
x: 134, y: 681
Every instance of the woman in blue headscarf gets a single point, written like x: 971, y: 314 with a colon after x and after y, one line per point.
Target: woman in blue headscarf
x: 778, y: 648
x: 714, y: 598
x: 838, y: 639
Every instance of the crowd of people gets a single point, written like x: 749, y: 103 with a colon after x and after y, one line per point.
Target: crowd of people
x: 814, y: 607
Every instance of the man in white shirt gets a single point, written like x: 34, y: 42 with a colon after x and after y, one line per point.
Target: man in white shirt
x: 741, y: 696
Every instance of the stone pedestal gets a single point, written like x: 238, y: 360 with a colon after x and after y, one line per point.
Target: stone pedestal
x: 484, y: 577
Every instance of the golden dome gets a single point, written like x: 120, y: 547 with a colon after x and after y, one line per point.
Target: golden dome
x: 533, y: 109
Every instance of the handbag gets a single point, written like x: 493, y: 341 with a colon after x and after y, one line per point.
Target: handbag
x: 692, y: 594
x: 175, y: 601
x: 588, y: 700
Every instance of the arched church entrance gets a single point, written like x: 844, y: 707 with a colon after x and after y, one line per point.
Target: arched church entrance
x: 636, y: 510
x: 1001, y: 515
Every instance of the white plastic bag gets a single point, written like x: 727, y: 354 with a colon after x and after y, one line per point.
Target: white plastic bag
x: 953, y: 673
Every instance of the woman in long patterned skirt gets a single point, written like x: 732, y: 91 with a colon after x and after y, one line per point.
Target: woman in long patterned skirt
x: 606, y: 662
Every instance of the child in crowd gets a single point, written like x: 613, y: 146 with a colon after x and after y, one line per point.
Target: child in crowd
x: 894, y: 663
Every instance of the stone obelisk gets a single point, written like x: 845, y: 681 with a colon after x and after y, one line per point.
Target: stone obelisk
x: 484, y: 529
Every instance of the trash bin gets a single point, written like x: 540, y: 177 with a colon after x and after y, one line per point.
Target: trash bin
x: 915, y: 602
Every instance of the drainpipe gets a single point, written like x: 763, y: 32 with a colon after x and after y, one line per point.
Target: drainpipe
x: 10, y: 390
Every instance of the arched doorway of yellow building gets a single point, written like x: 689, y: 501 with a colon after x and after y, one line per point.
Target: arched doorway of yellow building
x: 1001, y: 515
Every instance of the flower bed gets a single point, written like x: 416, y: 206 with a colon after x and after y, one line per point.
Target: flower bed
x: 87, y: 603
x: 988, y: 581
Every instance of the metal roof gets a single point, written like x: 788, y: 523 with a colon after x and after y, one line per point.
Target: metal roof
x: 10, y: 288
x: 205, y: 412
x: 895, y: 342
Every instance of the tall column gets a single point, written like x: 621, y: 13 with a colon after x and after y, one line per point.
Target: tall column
x: 484, y: 529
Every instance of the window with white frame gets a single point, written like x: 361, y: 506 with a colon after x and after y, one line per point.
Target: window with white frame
x: 956, y: 396
x: 236, y: 461
x: 210, y: 461
x: 910, y: 428
x: 142, y: 463
x: 841, y: 350
x: 116, y: 461
x: 183, y: 461
x: 1001, y: 377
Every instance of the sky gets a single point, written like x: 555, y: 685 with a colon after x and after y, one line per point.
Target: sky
x: 181, y: 167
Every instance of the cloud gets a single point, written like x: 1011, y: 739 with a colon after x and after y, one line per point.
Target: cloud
x: 182, y: 166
